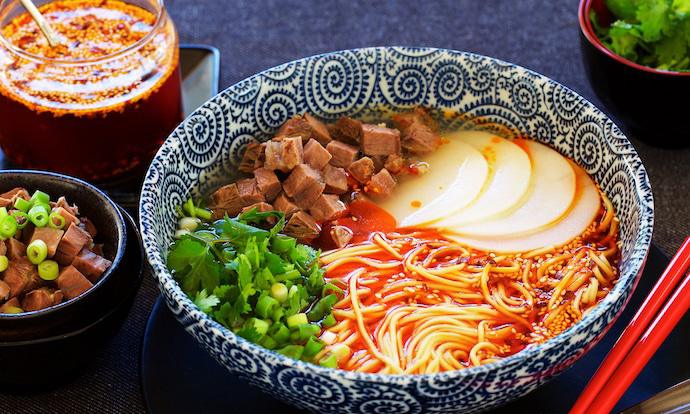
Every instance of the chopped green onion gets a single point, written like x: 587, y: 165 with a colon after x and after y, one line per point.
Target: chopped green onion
x: 188, y: 223
x: 37, y: 251
x: 8, y: 227
x: 328, y: 321
x: 181, y: 232
x: 48, y: 270
x: 281, y: 243
x: 39, y: 197
x: 4, y: 263
x: 259, y: 325
x: 329, y: 361
x: 312, y: 347
x: 329, y: 288
x: 22, y: 205
x: 202, y: 213
x: 341, y: 351
x: 289, y: 275
x: 39, y: 216
x: 297, y: 319
x: 265, y: 306
x: 20, y: 214
x: 14, y: 310
x: 3, y: 212
x: 190, y: 208
x: 268, y: 342
x: 279, y: 291
x: 60, y: 221
x: 278, y: 314
x: 291, y: 351
x: 302, y: 332
x: 322, y: 307
x: 279, y: 332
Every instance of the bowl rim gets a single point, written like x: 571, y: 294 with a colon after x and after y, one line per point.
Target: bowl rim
x: 165, y: 280
x: 103, y: 201
x: 587, y: 30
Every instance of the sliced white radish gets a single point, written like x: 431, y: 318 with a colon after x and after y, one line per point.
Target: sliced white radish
x: 573, y: 223
x: 509, y: 176
x: 456, y: 175
x: 551, y: 192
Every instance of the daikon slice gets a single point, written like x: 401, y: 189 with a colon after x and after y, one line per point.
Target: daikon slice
x: 509, y: 177
x: 551, y: 192
x: 456, y: 175
x: 573, y: 223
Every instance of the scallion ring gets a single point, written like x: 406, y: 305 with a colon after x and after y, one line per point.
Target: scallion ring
x: 4, y: 263
x: 20, y: 223
x: 60, y: 221
x: 48, y: 270
x: 39, y: 216
x: 37, y: 251
x: 8, y: 227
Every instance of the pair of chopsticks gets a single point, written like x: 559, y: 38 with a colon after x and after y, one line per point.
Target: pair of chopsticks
x: 646, y: 332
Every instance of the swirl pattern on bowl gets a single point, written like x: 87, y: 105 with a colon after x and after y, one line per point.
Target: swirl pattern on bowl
x: 368, y: 83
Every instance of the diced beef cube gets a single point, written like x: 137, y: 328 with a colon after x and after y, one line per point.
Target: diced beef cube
x: 17, y: 275
x: 69, y: 217
x: 420, y: 116
x: 268, y: 183
x: 73, y: 241
x: 86, y: 225
x: 35, y: 281
x: 420, y: 138
x: 284, y: 203
x: 341, y: 235
x: 319, y: 130
x: 3, y: 248
x: 57, y: 297
x: 299, y: 179
x: 249, y: 192
x: 296, y: 126
x: 261, y: 158
x: 302, y: 226
x: 91, y: 265
x: 335, y: 179
x: 98, y: 249
x: 62, y: 202
x: 307, y: 197
x: 261, y: 207
x: 379, y: 161
x: 4, y: 290
x: 15, y: 193
x: 347, y: 130
x: 315, y: 155
x: 15, y: 249
x: 62, y: 259
x: 378, y: 140
x: 250, y: 156
x: 50, y: 236
x: 382, y: 184
x: 394, y: 163
x: 342, y: 154
x: 284, y: 155
x: 327, y: 207
x: 12, y: 303
x: 5, y: 202
x: 37, y: 299
x: 362, y: 170
x: 226, y: 200
x: 72, y: 283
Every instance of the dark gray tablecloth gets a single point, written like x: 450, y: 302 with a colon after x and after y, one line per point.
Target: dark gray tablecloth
x: 255, y: 35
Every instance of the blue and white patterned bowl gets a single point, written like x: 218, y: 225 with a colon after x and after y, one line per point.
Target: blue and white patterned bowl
x: 205, y: 151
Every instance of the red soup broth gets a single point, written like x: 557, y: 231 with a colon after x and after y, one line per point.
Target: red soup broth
x: 100, y: 104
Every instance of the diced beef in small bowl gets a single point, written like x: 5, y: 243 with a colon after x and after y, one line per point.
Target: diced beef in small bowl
x: 47, y: 251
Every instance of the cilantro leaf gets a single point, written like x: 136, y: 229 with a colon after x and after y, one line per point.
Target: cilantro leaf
x: 654, y: 19
x: 194, y: 266
x: 249, y: 333
x: 204, y: 302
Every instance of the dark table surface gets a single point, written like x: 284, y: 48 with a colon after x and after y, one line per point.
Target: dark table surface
x: 257, y: 34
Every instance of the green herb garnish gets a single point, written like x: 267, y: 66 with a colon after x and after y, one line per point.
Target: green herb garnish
x: 654, y: 33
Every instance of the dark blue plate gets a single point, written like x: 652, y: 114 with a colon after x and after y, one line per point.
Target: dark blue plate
x: 178, y: 376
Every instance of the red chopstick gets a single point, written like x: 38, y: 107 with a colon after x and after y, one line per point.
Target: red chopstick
x: 592, y: 399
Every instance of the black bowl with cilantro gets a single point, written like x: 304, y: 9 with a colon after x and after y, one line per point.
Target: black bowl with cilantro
x: 637, y: 57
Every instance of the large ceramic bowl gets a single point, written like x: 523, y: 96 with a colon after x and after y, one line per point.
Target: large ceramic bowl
x: 205, y: 150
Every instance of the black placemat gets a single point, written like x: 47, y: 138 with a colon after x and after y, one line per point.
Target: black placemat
x: 253, y: 35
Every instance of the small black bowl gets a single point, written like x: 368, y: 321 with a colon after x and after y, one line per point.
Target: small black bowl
x: 92, y: 304
x: 651, y: 104
x: 49, y: 361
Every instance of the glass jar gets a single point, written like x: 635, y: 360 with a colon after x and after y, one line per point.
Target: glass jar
x: 100, y: 104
